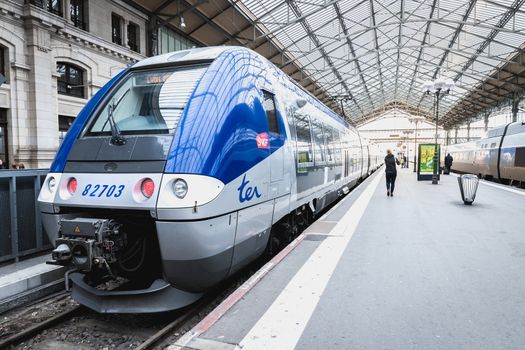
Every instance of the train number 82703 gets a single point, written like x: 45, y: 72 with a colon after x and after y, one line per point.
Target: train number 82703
x: 97, y: 190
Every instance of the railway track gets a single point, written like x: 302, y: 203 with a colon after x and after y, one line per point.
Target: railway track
x: 18, y: 337
x: 46, y: 332
x: 171, y: 327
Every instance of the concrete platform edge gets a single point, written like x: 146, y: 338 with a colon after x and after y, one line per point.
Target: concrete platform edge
x: 192, y: 341
x: 29, y: 284
x: 31, y: 295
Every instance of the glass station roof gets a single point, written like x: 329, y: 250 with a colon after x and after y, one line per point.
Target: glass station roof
x: 380, y: 52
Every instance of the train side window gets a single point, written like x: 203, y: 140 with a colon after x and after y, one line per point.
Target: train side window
x: 319, y: 152
x: 519, y: 159
x: 337, y: 145
x: 271, y: 113
x: 304, y: 139
x: 291, y: 126
x: 330, y: 143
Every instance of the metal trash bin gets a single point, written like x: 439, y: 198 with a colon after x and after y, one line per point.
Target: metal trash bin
x: 468, y: 185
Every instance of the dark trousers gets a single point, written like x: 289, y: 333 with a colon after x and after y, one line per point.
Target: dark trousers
x: 390, y: 182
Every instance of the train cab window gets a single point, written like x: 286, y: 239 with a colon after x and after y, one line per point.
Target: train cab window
x: 319, y: 144
x: 147, y: 102
x: 271, y: 113
x: 304, y: 139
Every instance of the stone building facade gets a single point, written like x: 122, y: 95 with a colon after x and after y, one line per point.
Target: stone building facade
x: 56, y: 54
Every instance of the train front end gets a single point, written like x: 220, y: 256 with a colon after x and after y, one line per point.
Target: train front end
x: 161, y: 188
x: 99, y: 201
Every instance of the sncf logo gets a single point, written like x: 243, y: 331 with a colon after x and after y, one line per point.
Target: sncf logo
x: 263, y: 140
x: 246, y: 193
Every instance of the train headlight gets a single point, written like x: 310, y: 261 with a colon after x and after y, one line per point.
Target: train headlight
x: 52, y: 184
x: 180, y: 188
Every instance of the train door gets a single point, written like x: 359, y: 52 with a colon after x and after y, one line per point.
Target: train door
x: 254, y: 223
x: 276, y: 142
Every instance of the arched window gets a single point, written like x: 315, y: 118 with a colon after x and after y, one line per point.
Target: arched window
x: 71, y: 80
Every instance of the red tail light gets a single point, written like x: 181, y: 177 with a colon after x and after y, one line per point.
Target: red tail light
x: 147, y: 187
x: 72, y: 185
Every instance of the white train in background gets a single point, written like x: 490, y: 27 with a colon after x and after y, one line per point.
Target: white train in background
x: 498, y: 156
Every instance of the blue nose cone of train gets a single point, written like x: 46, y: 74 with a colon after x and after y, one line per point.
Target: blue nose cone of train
x: 222, y: 132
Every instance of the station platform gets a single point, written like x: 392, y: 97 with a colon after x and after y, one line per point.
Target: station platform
x: 28, y: 280
x: 419, y: 270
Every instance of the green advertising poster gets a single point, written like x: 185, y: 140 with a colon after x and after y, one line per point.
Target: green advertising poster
x: 426, y: 161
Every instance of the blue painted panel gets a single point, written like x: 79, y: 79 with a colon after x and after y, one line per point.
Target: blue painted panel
x: 79, y: 124
x: 217, y: 133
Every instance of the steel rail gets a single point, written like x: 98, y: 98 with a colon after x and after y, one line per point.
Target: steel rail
x: 15, y: 338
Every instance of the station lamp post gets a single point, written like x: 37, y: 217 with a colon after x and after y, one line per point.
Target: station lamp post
x: 416, y: 120
x: 407, y: 139
x: 437, y: 87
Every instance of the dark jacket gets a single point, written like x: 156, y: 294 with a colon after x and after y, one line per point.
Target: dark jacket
x: 390, y: 164
x: 448, y: 161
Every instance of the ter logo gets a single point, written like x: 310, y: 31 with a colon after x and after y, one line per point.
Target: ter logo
x: 247, y: 193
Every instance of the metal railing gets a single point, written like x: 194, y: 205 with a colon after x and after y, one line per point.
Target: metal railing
x: 21, y: 230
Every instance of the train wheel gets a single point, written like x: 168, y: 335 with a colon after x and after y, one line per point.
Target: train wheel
x: 282, y: 233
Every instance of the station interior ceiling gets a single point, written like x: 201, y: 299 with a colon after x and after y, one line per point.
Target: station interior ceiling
x: 372, y: 56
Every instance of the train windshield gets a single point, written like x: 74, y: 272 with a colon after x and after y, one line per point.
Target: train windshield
x: 147, y: 102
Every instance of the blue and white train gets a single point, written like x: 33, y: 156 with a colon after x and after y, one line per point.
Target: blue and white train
x: 184, y: 168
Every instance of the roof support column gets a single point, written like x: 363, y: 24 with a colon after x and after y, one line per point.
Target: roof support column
x: 152, y: 34
x: 515, y: 105
x: 456, y: 135
x: 468, y: 131
x: 486, y: 120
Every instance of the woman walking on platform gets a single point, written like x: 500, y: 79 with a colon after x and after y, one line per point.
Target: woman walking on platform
x: 390, y: 172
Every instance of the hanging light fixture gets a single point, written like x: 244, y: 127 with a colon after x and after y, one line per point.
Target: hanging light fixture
x: 182, y: 25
